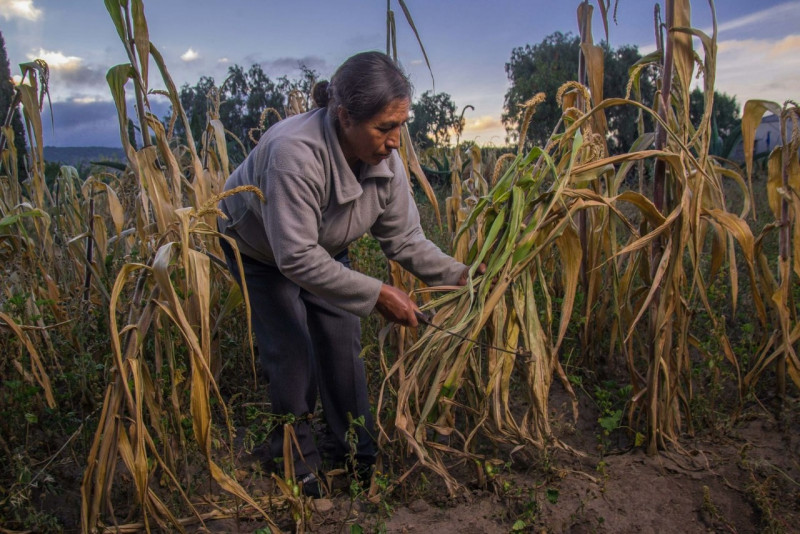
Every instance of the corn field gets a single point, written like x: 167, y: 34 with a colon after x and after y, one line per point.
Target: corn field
x: 120, y: 276
x: 555, y: 222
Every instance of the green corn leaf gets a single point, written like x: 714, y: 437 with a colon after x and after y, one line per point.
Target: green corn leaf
x: 117, y: 77
x: 115, y: 10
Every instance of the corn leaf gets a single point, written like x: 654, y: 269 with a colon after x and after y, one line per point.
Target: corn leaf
x: 751, y: 117
x: 141, y: 39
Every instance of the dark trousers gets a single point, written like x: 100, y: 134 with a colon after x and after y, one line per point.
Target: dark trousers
x: 308, y: 347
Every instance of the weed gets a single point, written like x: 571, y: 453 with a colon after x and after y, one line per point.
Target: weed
x: 521, y: 505
x: 610, y: 399
x: 18, y: 501
x: 711, y: 511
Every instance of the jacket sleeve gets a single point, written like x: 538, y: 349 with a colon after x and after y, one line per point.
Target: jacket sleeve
x: 292, y: 217
x: 401, y: 238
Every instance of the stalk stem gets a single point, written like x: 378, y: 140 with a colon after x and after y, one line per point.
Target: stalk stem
x: 583, y: 230
x: 783, y: 253
x: 87, y: 283
x: 138, y: 83
x: 655, y: 422
x: 659, y: 177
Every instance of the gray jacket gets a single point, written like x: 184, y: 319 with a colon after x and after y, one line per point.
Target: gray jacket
x: 315, y: 207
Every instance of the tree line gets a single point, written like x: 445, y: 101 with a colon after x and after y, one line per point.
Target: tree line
x: 544, y: 67
x: 9, y: 113
x: 243, y: 96
x: 435, y: 118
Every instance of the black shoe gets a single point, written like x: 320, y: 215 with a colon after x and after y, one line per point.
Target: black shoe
x: 310, y: 485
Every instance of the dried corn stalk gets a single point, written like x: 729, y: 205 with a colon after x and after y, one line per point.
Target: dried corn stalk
x: 451, y: 391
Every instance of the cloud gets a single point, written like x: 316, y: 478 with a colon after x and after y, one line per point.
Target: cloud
x: 789, y: 44
x: 70, y: 72
x: 485, y: 130
x: 19, y: 9
x: 759, y: 68
x: 190, y: 55
x: 88, y: 121
x: 78, y: 123
x: 85, y: 76
x: 779, y: 12
x: 760, y: 47
x: 483, y: 123
x: 57, y: 60
x: 289, y: 65
x: 223, y: 60
x: 777, y: 20
x: 761, y: 59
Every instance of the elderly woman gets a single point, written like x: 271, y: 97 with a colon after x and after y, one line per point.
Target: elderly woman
x: 328, y: 176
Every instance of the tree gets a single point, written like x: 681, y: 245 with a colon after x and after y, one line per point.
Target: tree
x: 726, y: 122
x: 623, y: 120
x: 725, y: 111
x: 434, y: 118
x: 6, y: 100
x: 243, y: 97
x: 304, y: 84
x: 194, y: 100
x: 546, y: 66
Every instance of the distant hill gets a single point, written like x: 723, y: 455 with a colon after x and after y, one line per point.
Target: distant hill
x: 76, y: 155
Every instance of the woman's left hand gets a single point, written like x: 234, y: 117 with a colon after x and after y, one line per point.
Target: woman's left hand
x: 463, y: 280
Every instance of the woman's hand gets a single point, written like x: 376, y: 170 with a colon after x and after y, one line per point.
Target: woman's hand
x: 396, y: 306
x: 463, y: 280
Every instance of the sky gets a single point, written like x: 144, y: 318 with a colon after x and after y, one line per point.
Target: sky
x: 468, y: 43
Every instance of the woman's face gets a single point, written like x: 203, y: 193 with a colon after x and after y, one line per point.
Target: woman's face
x: 372, y: 140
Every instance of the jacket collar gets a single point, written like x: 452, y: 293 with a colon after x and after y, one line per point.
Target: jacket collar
x: 345, y: 184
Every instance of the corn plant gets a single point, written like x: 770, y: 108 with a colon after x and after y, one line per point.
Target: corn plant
x: 26, y: 243
x: 783, y: 182
x: 170, y: 299
x: 557, y: 223
x: 51, y: 283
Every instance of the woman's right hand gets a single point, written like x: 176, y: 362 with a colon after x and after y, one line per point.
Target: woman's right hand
x: 396, y: 306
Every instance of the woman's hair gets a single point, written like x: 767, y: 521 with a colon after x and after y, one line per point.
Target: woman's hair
x: 363, y: 85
